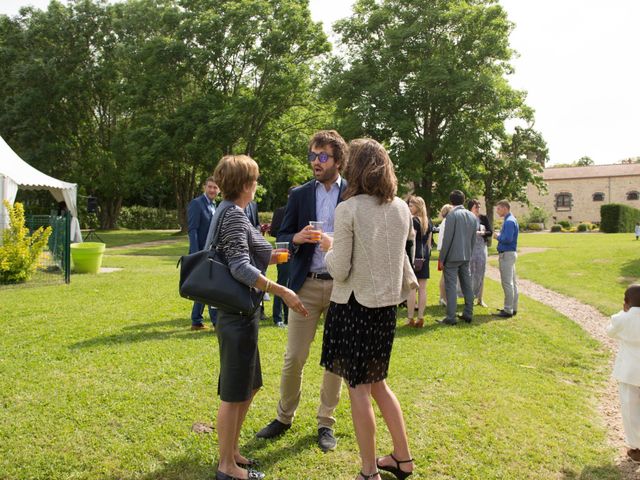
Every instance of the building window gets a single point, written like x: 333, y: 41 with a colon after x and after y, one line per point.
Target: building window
x: 563, y: 201
x: 598, y: 197
x: 633, y: 195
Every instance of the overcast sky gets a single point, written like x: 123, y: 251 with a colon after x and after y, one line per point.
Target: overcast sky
x: 576, y: 63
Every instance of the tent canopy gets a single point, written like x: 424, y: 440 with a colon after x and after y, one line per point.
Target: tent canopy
x: 16, y: 173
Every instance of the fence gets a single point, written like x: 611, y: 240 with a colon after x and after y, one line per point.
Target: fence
x: 54, y: 264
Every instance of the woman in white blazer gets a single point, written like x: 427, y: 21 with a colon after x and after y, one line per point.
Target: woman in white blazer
x: 371, y: 274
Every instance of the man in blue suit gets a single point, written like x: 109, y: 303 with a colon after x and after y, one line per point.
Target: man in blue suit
x: 199, y: 214
x: 316, y: 200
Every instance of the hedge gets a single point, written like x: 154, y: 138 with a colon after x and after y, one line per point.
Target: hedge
x: 147, y: 218
x: 617, y: 218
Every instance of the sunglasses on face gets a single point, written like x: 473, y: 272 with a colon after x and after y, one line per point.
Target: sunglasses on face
x: 322, y: 156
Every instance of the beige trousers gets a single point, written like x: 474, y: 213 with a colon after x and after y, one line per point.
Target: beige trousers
x: 315, y: 295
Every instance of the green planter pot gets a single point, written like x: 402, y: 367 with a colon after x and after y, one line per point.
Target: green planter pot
x: 87, y: 256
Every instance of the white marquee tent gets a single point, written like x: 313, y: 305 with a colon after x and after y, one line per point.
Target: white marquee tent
x: 16, y: 173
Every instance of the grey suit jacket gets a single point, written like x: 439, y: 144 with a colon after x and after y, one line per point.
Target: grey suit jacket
x: 459, y: 236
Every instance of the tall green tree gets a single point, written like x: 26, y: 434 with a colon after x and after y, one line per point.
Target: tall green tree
x: 513, y: 162
x: 423, y: 77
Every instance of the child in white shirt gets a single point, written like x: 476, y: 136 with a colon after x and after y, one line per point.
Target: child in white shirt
x: 625, y: 327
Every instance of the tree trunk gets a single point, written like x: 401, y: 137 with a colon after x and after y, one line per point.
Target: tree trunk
x: 489, y: 201
x: 184, y: 186
x: 109, y: 211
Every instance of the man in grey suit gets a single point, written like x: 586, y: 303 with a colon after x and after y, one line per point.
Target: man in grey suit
x: 455, y: 254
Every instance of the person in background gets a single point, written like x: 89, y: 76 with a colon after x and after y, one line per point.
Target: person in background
x: 478, y: 264
x: 423, y: 228
x: 507, y: 256
x: 457, y: 244
x: 199, y: 214
x: 446, y: 208
x: 314, y: 201
x: 372, y: 274
x: 280, y: 309
x: 247, y: 254
x: 637, y: 230
x: 625, y: 327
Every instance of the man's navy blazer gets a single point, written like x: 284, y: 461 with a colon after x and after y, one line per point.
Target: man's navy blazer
x: 301, y: 209
x: 198, y: 218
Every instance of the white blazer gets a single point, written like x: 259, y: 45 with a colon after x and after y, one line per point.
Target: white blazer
x: 368, y: 257
x: 625, y: 327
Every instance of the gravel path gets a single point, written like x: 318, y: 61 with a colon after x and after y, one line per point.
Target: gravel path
x: 594, y: 323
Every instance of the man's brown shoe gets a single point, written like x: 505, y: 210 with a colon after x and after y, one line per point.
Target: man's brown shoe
x: 634, y: 454
x: 199, y: 326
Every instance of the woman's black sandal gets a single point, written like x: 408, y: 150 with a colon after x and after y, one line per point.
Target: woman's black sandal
x: 400, y: 474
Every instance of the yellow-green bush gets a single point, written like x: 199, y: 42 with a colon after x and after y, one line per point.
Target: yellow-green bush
x: 19, y: 251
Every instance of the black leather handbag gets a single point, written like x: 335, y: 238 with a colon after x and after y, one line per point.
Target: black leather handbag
x: 205, y: 278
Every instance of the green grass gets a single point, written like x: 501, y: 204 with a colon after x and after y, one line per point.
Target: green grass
x: 103, y: 379
x: 116, y: 238
x: 592, y: 267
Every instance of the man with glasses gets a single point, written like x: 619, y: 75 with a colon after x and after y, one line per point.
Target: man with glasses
x: 315, y: 201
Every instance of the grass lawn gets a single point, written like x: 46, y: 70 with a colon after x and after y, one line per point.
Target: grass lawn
x: 593, y: 267
x: 116, y: 238
x: 102, y: 379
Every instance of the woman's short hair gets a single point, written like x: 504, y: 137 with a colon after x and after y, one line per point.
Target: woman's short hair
x: 336, y: 142
x: 370, y: 171
x: 233, y: 173
x: 472, y: 203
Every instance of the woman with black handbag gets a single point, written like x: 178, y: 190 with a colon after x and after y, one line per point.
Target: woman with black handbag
x: 247, y: 255
x: 423, y: 227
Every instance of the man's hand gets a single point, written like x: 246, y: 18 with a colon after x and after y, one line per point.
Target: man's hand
x: 306, y: 235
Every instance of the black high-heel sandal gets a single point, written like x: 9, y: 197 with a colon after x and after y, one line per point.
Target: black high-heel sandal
x: 400, y: 474
x: 370, y: 476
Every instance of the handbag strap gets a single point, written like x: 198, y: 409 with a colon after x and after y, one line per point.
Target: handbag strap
x: 216, y: 224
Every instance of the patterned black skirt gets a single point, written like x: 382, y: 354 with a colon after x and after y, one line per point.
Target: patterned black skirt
x: 357, y: 341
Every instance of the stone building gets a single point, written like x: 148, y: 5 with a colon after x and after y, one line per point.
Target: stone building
x: 577, y: 193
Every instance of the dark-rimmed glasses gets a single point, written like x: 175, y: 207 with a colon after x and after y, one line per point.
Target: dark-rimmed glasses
x: 322, y: 156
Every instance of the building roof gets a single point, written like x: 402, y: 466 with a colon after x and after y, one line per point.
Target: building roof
x: 592, y: 171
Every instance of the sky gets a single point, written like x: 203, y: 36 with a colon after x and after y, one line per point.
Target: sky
x: 575, y: 60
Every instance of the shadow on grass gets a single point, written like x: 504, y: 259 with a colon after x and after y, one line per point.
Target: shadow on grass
x: 630, y: 272
x: 187, y: 468
x: 182, y: 468
x: 431, y: 325
x: 146, y: 332
x: 604, y: 472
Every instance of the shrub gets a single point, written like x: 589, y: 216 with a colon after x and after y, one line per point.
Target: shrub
x: 535, y: 227
x: 617, y: 218
x: 265, y: 217
x: 556, y: 228
x: 20, y: 251
x: 536, y: 215
x: 565, y: 224
x: 583, y: 227
x: 594, y: 226
x: 138, y: 217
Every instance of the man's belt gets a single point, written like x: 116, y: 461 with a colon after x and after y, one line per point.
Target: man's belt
x: 319, y: 276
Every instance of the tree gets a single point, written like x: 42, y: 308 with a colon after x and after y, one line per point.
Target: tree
x: 516, y: 162
x: 423, y: 77
x: 584, y: 162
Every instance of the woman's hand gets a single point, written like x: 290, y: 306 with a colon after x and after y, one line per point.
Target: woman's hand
x: 278, y: 256
x: 326, y: 242
x: 293, y: 302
